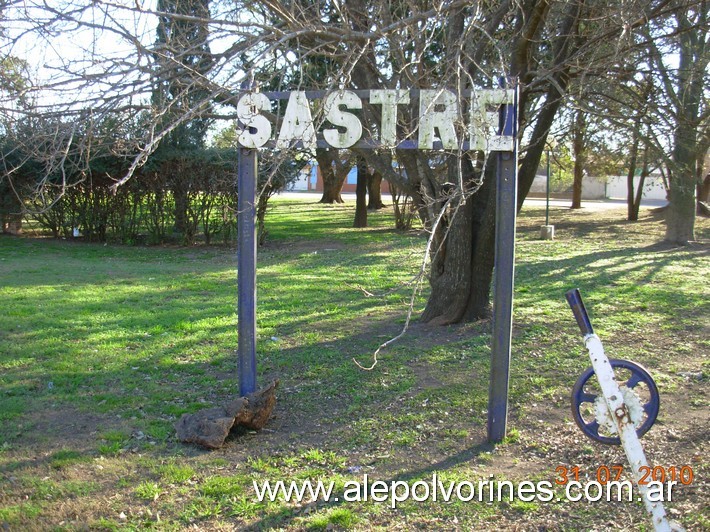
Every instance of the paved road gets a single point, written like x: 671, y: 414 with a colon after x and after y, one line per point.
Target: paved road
x: 597, y: 205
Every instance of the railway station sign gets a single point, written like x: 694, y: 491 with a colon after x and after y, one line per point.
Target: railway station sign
x: 425, y: 119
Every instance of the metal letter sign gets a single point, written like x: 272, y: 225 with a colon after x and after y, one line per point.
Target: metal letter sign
x: 489, y: 125
x: 440, y: 115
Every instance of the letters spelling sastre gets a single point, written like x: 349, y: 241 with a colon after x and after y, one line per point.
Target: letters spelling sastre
x: 439, y: 112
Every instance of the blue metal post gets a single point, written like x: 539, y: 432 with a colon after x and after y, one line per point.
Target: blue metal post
x: 574, y: 299
x: 547, y: 191
x: 246, y: 269
x: 504, y: 269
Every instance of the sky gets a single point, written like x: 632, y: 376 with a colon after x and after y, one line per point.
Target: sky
x: 66, y: 58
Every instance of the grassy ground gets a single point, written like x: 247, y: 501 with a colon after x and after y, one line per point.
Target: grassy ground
x: 103, y: 348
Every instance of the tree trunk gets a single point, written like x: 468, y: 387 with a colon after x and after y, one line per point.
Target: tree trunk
x: 639, y: 196
x: 333, y: 172
x: 361, y: 194
x: 261, y: 207
x: 635, y: 205
x: 680, y: 215
x: 633, y: 199
x: 374, y: 191
x: 483, y: 257
x: 579, y: 158
x: 332, y: 188
x: 462, y: 269
x: 631, y: 212
x: 450, y: 276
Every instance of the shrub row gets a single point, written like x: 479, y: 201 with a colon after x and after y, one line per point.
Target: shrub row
x: 179, y: 197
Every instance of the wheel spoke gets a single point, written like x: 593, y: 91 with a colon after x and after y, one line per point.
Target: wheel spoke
x: 587, y: 398
x: 634, y: 380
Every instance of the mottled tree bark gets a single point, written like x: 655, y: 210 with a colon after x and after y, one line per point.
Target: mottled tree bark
x: 462, y: 265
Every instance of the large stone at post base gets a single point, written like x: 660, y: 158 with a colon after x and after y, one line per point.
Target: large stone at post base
x: 254, y: 410
x: 208, y: 427
x: 211, y: 426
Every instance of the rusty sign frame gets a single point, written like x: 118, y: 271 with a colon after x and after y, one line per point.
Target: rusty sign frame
x: 504, y: 266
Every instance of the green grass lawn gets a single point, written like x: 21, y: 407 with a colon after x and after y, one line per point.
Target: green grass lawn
x: 103, y: 348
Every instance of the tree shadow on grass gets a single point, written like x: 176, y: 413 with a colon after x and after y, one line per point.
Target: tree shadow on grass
x: 618, y: 270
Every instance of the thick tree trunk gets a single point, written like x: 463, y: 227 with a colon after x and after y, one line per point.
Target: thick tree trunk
x: 462, y: 269
x: 261, y: 207
x: 450, y: 276
x: 374, y: 191
x: 361, y: 194
x: 483, y: 258
x: 332, y: 188
x: 334, y: 173
x: 579, y: 158
x: 680, y: 215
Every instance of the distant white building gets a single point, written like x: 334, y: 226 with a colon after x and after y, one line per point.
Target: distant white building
x: 596, y: 188
x: 593, y: 188
x: 653, y: 187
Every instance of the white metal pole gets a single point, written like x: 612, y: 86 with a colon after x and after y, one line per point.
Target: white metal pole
x: 627, y: 431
